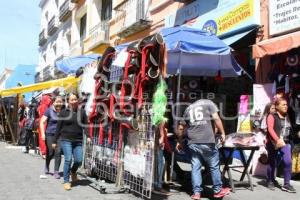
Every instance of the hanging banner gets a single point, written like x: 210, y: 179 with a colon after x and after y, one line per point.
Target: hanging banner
x: 220, y: 17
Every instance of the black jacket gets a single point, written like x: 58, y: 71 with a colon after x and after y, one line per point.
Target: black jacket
x: 71, y: 125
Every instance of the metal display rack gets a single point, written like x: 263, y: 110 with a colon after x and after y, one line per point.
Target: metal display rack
x: 128, y: 164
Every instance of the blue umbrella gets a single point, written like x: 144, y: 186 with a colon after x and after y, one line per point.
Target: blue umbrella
x: 71, y: 64
x: 195, y: 52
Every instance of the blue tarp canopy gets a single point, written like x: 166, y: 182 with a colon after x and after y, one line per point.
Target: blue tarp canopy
x: 195, y: 52
x: 71, y: 64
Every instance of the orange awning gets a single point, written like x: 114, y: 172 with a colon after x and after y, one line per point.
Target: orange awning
x: 276, y: 45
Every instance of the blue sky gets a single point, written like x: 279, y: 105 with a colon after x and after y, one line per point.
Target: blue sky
x: 19, y: 30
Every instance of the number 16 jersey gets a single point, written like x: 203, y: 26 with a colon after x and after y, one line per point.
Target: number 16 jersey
x: 198, y: 117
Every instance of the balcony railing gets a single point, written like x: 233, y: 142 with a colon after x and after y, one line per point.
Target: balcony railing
x: 99, y: 34
x: 42, y: 38
x: 65, y: 11
x: 133, y: 13
x: 52, y: 26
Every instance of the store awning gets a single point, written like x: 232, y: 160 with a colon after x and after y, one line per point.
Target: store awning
x: 237, y: 37
x: 69, y: 65
x: 276, y: 45
x: 194, y: 52
x: 64, y: 82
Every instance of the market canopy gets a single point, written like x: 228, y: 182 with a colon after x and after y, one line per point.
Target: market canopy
x: 195, y: 52
x: 70, y: 65
x: 276, y: 45
x: 64, y: 82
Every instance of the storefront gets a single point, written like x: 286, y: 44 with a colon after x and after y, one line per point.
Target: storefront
x: 236, y: 23
x: 278, y: 56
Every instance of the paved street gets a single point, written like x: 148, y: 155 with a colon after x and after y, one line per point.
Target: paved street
x: 20, y: 181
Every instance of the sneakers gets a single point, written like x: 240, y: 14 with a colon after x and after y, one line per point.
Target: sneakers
x: 56, y: 175
x: 196, y: 196
x: 67, y: 186
x: 74, y: 177
x: 270, y: 186
x: 288, y: 188
x: 223, y: 192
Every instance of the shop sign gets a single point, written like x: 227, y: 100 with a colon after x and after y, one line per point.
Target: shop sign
x: 219, y: 17
x: 284, y: 16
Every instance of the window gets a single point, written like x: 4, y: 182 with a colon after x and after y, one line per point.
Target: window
x: 83, y: 27
x: 106, y: 10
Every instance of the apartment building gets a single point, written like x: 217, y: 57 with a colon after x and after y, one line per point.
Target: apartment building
x: 54, y: 38
x: 135, y: 19
x: 90, y: 27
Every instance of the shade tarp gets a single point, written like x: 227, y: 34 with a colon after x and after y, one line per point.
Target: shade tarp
x: 64, y: 82
x: 196, y: 52
x: 69, y: 65
x: 276, y: 45
x: 238, y: 36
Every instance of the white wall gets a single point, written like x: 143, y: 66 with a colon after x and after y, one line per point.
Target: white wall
x: 59, y: 38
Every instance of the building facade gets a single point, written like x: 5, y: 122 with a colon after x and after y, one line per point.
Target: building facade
x: 54, y: 38
x: 90, y: 27
x: 135, y: 19
x: 277, y: 50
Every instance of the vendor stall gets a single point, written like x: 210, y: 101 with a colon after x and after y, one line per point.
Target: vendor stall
x: 124, y: 118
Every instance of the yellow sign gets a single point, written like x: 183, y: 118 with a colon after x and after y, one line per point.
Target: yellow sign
x: 234, y: 17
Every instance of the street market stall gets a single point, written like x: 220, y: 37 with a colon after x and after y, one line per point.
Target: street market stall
x: 123, y: 125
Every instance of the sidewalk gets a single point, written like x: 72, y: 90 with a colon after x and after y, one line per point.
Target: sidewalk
x: 19, y: 179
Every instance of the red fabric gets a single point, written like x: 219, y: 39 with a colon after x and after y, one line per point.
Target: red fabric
x: 97, y: 87
x: 111, y: 106
x: 271, y: 131
x: 44, y: 105
x: 167, y: 144
x: 110, y: 134
x: 101, y: 134
x: 91, y: 129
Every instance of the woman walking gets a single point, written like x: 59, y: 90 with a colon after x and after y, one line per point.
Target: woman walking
x: 269, y: 109
x: 70, y: 129
x: 278, y: 145
x: 48, y: 125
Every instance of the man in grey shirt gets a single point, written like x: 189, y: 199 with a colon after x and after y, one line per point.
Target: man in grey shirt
x: 201, y: 141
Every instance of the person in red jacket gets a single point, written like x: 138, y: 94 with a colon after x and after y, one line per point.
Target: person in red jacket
x: 44, y: 105
x: 278, y: 145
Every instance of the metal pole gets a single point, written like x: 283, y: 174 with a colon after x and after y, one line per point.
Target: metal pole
x: 177, y: 110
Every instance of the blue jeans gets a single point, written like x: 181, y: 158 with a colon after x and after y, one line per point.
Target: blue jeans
x: 209, y: 154
x: 160, y: 165
x: 71, y: 148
